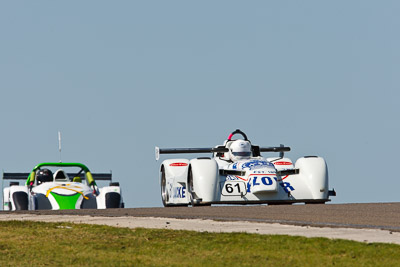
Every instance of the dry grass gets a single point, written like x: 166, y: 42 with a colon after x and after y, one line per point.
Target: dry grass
x: 65, y: 244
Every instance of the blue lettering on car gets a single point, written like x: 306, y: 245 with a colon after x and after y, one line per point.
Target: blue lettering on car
x: 179, y: 192
x: 248, y: 186
x: 287, y: 187
x: 255, y: 181
x: 231, y: 178
x: 266, y: 180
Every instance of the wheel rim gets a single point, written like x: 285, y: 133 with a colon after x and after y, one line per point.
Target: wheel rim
x: 164, y: 195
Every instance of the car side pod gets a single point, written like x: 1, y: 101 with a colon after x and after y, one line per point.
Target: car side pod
x: 314, y: 173
x: 6, y: 199
x: 15, y: 197
x: 109, y: 197
x: 205, y: 179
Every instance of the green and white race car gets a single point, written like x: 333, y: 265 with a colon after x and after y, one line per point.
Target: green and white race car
x: 59, y: 186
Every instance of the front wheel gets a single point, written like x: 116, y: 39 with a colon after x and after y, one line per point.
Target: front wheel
x: 190, y: 188
x: 21, y: 201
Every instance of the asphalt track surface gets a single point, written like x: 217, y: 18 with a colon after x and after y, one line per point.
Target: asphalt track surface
x: 382, y: 216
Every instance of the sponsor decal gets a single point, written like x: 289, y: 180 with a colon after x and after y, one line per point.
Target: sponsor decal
x: 267, y: 172
x: 231, y: 178
x: 265, y: 180
x: 178, y: 164
x: 282, y: 163
x: 286, y: 186
x: 261, y: 174
x: 179, y: 192
x: 255, y: 164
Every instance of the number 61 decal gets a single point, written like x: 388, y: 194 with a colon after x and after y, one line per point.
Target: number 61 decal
x: 233, y: 188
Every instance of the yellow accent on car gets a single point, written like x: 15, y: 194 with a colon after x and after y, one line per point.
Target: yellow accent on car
x: 89, y: 178
x: 63, y: 187
x: 32, y: 177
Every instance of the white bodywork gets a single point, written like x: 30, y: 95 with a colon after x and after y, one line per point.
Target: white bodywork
x: 217, y: 180
x: 61, y: 194
x: 59, y: 188
x: 8, y: 192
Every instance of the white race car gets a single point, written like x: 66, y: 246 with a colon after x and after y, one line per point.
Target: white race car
x: 238, y: 174
x: 45, y: 189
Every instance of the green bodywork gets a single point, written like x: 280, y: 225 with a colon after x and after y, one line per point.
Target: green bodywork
x: 66, y: 202
x: 89, y: 177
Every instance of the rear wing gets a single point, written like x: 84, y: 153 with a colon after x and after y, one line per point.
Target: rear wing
x: 15, y: 175
x: 220, y: 149
x: 100, y: 176
x: 188, y: 150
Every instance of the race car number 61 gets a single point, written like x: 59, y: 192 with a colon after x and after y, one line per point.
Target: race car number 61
x: 234, y: 188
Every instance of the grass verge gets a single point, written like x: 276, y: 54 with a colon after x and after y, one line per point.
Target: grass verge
x: 65, y: 244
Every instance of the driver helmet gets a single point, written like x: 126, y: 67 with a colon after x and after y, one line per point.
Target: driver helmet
x: 44, y: 175
x: 239, y: 150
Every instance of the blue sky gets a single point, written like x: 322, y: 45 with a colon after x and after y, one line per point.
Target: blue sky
x: 120, y: 77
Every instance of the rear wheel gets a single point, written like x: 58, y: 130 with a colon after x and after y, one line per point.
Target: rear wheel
x: 164, y: 193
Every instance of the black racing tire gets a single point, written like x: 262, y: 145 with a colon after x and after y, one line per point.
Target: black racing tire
x: 21, y: 201
x: 113, y: 200
x: 314, y: 203
x: 190, y: 187
x: 164, y: 193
